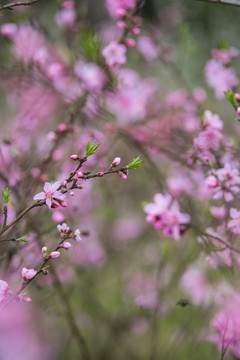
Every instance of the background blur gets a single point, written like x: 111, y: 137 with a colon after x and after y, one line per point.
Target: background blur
x: 123, y: 282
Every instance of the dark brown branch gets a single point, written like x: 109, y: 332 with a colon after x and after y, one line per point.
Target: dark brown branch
x: 10, y: 6
x: 224, y: 2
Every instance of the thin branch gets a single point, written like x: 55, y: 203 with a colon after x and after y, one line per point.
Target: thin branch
x: 10, y: 6
x: 223, y: 2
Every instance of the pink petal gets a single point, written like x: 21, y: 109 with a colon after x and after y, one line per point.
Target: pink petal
x: 39, y: 196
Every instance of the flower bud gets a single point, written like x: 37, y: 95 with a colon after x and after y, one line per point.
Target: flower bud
x: 116, y: 161
x: 54, y: 255
x: 130, y: 42
x: 62, y: 127
x: 74, y: 157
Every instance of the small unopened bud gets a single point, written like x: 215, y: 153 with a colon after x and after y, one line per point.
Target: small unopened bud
x: 45, y: 272
x: 62, y: 127
x: 44, y: 249
x: 54, y: 255
x: 238, y: 110
x: 63, y: 204
x: 52, y: 136
x: 43, y: 177
x: 130, y: 42
x: 136, y: 31
x: 71, y: 193
x: 116, y: 162
x: 66, y: 245
x: 64, y: 184
x: 74, y: 157
x: 79, y: 174
x: 100, y: 174
x: 121, y: 12
x: 121, y: 24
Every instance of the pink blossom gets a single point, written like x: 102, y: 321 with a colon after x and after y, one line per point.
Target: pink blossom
x: 117, y: 7
x: 147, y: 48
x: 4, y: 289
x: 218, y: 212
x: 28, y: 274
x: 212, y: 120
x: 174, y: 220
x: 8, y: 30
x: 63, y: 229
x: 219, y: 77
x: 211, y: 182
x: 76, y: 235
x: 114, y: 54
x: 225, y: 326
x: 66, y: 17
x: 92, y: 76
x: 234, y: 224
x: 51, y: 194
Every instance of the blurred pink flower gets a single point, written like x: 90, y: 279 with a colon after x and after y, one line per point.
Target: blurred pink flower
x: 4, y: 289
x: 114, y: 54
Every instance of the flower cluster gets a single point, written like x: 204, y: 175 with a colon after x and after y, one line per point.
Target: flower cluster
x: 165, y: 214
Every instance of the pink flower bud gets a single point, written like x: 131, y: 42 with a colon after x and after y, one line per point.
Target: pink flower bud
x: 121, y: 24
x: 238, y: 110
x: 43, y: 177
x: 66, y: 245
x: 58, y: 217
x: 63, y: 204
x: 52, y: 136
x: 237, y: 96
x: 136, y: 31
x: 44, y: 249
x: 54, y: 255
x: 74, y: 157
x: 121, y: 12
x: 71, y: 193
x: 28, y: 274
x: 123, y: 176
x: 62, y: 127
x: 45, y: 272
x: 25, y: 299
x: 100, y: 174
x: 64, y: 184
x: 130, y: 42
x: 55, y: 205
x: 79, y: 174
x: 211, y: 182
x: 116, y: 161
x: 35, y: 172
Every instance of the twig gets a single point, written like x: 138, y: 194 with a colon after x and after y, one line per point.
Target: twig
x: 10, y: 6
x: 223, y: 2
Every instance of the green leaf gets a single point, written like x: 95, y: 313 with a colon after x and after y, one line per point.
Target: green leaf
x: 91, y: 148
x: 22, y: 240
x: 90, y: 45
x: 135, y: 163
x: 231, y: 97
x: 5, y: 196
x: 222, y: 44
x: 46, y: 267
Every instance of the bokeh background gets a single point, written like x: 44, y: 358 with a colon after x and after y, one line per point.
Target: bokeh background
x: 123, y: 284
